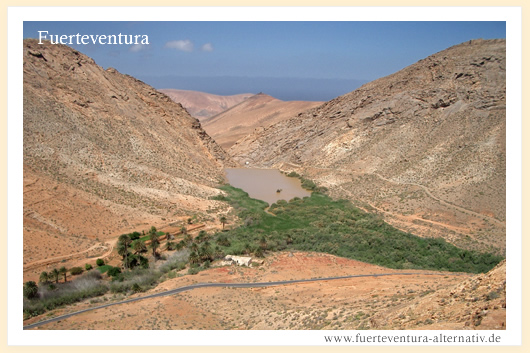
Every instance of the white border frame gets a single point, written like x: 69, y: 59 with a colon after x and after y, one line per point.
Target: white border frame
x: 16, y: 16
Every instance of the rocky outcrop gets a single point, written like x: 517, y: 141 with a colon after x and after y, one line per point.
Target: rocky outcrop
x: 237, y: 260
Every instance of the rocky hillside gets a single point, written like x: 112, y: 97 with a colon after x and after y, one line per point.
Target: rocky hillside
x: 475, y: 303
x: 105, y: 153
x: 203, y: 105
x: 425, y: 147
x: 257, y: 111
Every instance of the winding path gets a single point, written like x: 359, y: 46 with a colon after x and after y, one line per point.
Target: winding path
x: 56, y: 259
x: 428, y: 192
x: 229, y: 285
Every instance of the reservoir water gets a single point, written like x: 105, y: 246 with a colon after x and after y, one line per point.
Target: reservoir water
x: 263, y: 184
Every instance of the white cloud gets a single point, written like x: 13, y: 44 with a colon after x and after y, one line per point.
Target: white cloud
x: 207, y: 47
x: 184, y: 45
x: 138, y: 47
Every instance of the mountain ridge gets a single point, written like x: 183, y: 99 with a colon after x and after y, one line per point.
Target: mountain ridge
x: 202, y: 105
x: 258, y: 111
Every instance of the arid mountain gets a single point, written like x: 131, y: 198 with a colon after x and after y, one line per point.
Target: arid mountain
x: 203, y: 105
x: 257, y: 111
x: 105, y: 154
x: 425, y: 147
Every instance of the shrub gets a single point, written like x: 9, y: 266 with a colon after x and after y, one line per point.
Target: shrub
x: 74, y: 271
x: 145, y: 278
x: 492, y: 295
x: 100, y: 262
x: 114, y: 271
x: 88, y: 267
x: 193, y: 270
x: 136, y: 288
x: 85, y: 286
x: 134, y: 235
x: 176, y: 261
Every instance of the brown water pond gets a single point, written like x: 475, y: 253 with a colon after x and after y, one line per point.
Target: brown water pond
x: 268, y: 185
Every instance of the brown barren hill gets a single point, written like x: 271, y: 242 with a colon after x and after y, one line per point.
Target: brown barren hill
x: 104, y: 154
x: 258, y: 111
x: 425, y: 147
x: 202, y: 105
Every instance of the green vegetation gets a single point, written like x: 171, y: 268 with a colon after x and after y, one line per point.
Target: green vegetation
x: 155, y: 242
x: 141, y: 279
x: 54, y: 296
x: 47, y: 296
x: 100, y: 262
x: 320, y: 224
x: 308, y: 184
x: 31, y: 290
x: 74, y: 271
x: 104, y: 268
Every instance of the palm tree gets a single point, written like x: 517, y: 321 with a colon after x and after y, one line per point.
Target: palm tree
x: 139, y: 246
x: 180, y: 245
x: 218, y: 253
x: 223, y: 221
x: 63, y: 271
x: 205, y: 253
x: 202, y: 236
x: 123, y: 250
x: 55, y: 274
x: 31, y: 290
x: 170, y: 245
x: 194, y: 258
x: 125, y: 239
x: 44, y: 277
x: 123, y: 247
x: 155, y: 242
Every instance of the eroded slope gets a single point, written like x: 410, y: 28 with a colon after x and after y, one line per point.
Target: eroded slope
x: 105, y: 153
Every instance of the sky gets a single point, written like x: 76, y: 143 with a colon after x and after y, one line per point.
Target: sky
x: 288, y: 60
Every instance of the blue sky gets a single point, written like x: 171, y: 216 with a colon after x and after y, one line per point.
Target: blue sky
x: 289, y: 60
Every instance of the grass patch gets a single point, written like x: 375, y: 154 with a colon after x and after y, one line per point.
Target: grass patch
x: 104, y: 268
x: 145, y: 238
x: 320, y: 224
